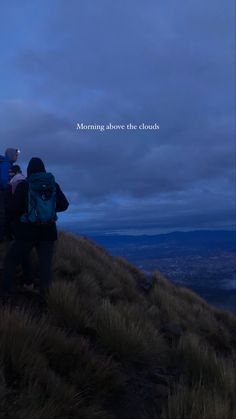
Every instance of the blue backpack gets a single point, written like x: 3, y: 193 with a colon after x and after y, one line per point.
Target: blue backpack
x: 41, y: 199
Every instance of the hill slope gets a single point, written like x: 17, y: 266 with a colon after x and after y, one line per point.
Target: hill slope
x: 107, y: 345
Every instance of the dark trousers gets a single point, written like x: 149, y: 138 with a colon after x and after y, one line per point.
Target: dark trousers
x: 19, y: 251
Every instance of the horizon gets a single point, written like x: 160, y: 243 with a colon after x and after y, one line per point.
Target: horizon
x: 71, y: 227
x: 128, y: 67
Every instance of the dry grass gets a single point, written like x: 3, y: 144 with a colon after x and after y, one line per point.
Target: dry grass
x: 209, y: 384
x: 174, y: 302
x: 50, y: 374
x: 202, y: 364
x: 100, y: 336
x: 70, y: 309
x: 38, y: 389
x: 198, y: 403
x: 128, y: 336
x: 205, y: 352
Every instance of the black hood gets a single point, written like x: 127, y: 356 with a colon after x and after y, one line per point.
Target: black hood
x: 35, y: 165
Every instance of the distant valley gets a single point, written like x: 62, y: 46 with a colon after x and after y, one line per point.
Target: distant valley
x: 202, y: 260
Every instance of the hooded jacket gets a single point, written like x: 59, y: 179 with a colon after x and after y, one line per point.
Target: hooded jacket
x: 6, y: 162
x: 35, y: 165
x: 18, y: 205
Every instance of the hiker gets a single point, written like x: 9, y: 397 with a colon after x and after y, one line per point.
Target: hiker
x: 16, y: 176
x: 6, y: 162
x: 34, y: 205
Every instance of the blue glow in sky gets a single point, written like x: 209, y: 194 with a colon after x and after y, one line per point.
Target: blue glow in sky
x: 133, y: 61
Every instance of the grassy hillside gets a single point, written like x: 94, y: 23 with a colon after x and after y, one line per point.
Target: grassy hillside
x: 107, y: 346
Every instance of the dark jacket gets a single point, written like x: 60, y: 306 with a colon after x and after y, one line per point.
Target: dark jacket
x: 17, y: 205
x: 6, y: 164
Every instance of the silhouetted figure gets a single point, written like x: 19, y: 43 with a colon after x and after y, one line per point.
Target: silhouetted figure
x: 16, y: 176
x: 34, y: 205
x: 6, y: 163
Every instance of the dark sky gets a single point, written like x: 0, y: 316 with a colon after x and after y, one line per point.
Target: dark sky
x: 99, y: 61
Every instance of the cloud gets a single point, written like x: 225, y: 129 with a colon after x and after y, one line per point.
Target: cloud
x: 97, y: 62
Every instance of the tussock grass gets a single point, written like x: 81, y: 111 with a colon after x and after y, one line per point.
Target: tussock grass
x: 40, y: 391
x: 205, y: 353
x: 127, y: 336
x: 174, y: 302
x: 202, y: 363
x: 68, y: 307
x: 226, y: 318
x: 47, y: 397
x: 75, y: 360
x: 135, y: 272
x: 77, y: 256
x: 198, y: 402
x: 209, y: 386
x: 87, y: 285
x: 69, y: 256
x: 192, y: 298
x: 54, y: 375
x: 97, y: 349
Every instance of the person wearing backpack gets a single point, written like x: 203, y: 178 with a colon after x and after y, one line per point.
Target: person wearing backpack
x: 6, y: 162
x: 34, y: 205
x: 16, y: 177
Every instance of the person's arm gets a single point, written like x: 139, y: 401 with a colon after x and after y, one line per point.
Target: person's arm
x: 61, y: 202
x: 5, y: 168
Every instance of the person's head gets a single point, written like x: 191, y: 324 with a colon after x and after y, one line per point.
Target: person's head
x: 35, y: 165
x: 15, y: 170
x: 12, y: 154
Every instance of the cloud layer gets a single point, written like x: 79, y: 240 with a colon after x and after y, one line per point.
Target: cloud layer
x: 99, y: 62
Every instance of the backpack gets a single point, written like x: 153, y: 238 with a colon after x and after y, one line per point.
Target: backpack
x: 41, y: 199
